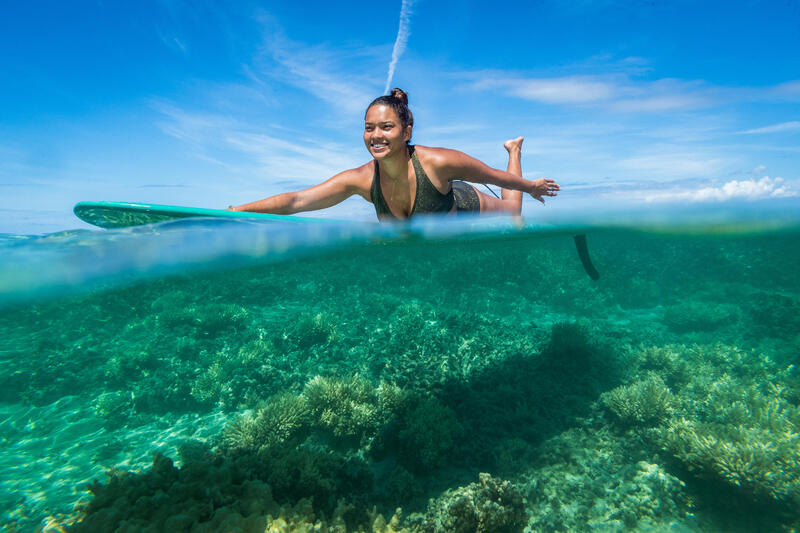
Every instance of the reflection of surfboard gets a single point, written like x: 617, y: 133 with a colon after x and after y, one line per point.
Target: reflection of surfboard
x: 125, y: 214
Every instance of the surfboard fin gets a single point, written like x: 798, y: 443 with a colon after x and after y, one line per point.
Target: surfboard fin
x: 583, y: 253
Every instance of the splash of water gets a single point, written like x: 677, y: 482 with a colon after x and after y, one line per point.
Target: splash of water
x: 403, y: 31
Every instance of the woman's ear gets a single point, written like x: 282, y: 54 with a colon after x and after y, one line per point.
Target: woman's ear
x: 407, y: 133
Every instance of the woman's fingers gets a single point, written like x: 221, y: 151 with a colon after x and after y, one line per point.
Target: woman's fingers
x: 545, y: 187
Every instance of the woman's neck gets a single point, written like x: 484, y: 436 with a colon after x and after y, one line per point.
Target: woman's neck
x: 396, y: 166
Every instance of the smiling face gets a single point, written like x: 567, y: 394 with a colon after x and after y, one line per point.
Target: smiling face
x: 384, y: 134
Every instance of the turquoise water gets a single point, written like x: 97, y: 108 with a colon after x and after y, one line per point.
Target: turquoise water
x: 232, y: 376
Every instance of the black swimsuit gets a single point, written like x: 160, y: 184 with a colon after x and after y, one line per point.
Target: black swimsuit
x: 428, y: 199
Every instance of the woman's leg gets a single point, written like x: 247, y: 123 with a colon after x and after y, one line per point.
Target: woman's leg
x: 510, y: 200
x: 514, y: 147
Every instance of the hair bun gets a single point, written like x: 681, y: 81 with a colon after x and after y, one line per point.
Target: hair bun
x: 400, y: 94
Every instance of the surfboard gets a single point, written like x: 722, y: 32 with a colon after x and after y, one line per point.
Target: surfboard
x: 126, y: 214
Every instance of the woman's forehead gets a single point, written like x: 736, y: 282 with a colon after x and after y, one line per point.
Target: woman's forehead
x: 380, y: 113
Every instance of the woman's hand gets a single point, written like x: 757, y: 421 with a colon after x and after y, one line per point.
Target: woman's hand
x: 543, y: 187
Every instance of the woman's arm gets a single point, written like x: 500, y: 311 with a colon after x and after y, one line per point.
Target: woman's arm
x: 455, y: 165
x: 326, y: 194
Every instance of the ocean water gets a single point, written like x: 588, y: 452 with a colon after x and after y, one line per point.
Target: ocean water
x: 204, y: 375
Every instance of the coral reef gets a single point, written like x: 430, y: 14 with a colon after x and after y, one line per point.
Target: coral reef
x: 488, y: 506
x: 590, y: 479
x: 730, y: 423
x: 214, y: 495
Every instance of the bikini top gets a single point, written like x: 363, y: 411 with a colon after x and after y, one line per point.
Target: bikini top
x: 428, y: 199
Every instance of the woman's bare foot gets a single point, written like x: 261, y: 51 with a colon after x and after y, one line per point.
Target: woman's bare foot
x: 511, y: 144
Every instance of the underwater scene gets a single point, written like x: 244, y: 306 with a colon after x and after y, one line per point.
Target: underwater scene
x: 473, y: 382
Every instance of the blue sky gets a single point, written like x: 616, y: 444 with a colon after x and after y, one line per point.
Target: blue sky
x: 208, y: 104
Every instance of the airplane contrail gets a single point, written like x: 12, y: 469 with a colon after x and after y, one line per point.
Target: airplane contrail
x: 402, y: 38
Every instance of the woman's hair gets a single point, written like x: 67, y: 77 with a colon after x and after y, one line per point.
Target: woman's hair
x: 397, y: 99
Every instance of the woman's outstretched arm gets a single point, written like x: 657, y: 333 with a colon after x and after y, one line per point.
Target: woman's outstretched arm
x: 326, y: 194
x: 455, y: 165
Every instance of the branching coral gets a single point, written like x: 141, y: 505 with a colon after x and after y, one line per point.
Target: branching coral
x: 754, y: 446
x: 276, y: 421
x: 350, y: 409
x: 645, y: 403
x: 311, y: 329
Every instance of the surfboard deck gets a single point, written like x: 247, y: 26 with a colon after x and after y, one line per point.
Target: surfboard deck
x: 126, y: 214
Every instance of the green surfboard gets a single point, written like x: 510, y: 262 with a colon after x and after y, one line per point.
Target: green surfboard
x: 126, y: 214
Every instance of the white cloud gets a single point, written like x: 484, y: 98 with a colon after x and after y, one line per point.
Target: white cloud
x: 775, y: 128
x: 751, y: 189
x: 615, y: 91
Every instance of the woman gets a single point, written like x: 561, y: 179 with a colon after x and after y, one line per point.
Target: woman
x: 405, y: 180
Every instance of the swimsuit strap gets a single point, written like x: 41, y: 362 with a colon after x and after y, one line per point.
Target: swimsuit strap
x: 428, y: 198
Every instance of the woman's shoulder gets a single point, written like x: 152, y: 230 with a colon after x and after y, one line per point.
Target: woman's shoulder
x: 359, y: 177
x: 439, y: 158
x: 436, y: 156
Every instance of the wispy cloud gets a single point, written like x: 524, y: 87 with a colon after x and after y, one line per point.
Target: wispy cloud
x: 163, y: 186
x: 775, y: 128
x: 621, y: 92
x: 616, y: 91
x: 789, y: 90
x: 571, y: 90
x: 671, y: 162
x: 403, y: 32
x: 268, y: 159
x: 338, y: 75
x: 174, y: 43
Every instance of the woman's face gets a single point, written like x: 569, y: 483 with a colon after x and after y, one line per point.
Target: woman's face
x: 383, y: 132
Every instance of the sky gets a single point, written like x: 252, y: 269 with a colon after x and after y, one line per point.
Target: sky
x: 209, y: 104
